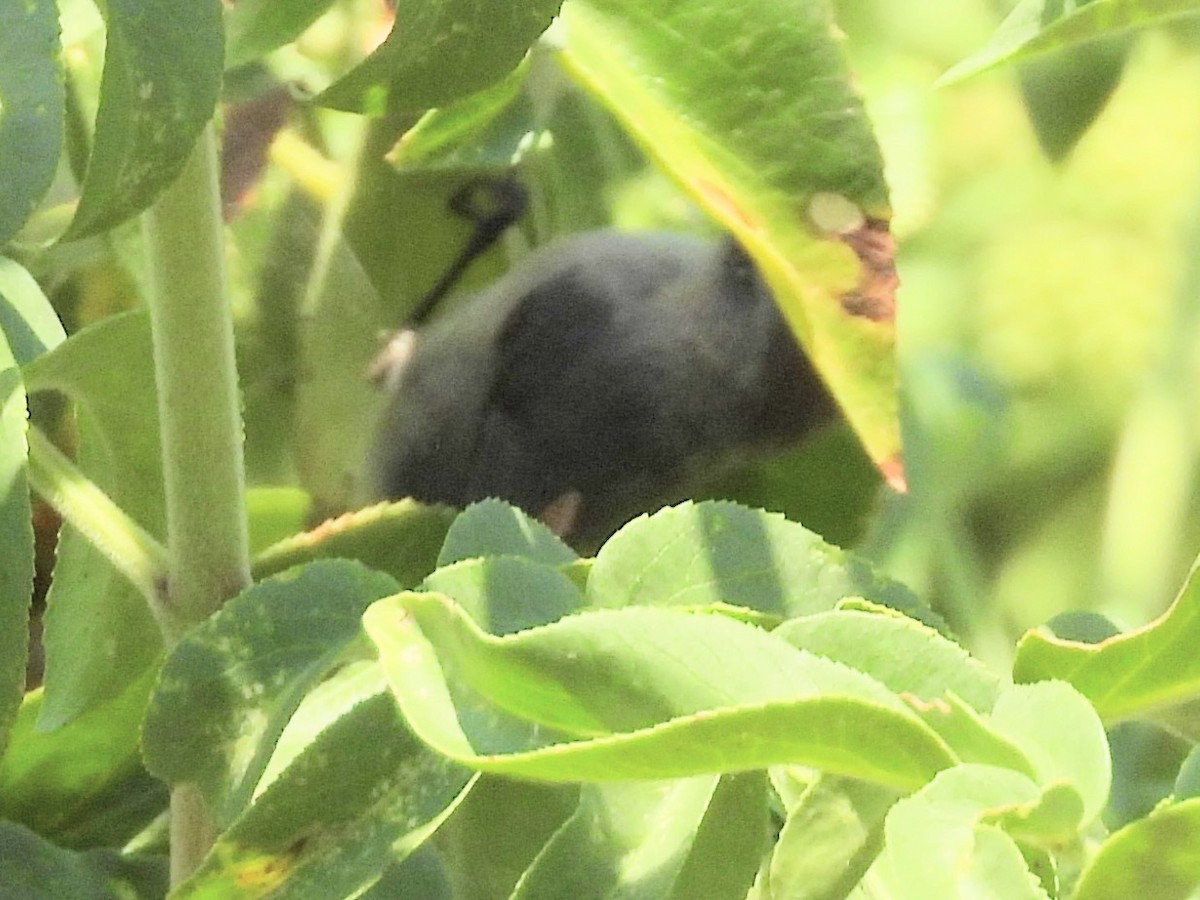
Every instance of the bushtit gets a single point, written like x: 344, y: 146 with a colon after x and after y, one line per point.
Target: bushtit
x: 600, y: 378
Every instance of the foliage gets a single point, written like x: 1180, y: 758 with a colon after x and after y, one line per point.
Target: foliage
x: 413, y: 701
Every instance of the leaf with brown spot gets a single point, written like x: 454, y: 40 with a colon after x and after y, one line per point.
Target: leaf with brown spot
x: 750, y: 107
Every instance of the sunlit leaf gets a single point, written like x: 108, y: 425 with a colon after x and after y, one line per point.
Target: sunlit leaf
x: 1151, y: 671
x: 697, y: 554
x: 1038, y: 26
x: 638, y: 693
x: 1161, y: 850
x: 939, y: 843
x: 908, y: 657
x: 504, y: 594
x: 828, y: 841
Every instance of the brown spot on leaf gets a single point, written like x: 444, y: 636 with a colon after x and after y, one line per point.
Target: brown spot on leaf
x: 875, y: 296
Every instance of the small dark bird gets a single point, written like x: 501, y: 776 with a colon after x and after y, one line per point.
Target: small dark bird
x: 602, y: 377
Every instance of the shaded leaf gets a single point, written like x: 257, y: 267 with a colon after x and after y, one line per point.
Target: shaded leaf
x: 34, y: 869
x: 162, y: 74
x: 81, y: 779
x: 498, y: 830
x: 1064, y: 92
x: 496, y: 528
x: 360, y: 796
x: 99, y: 635
x: 439, y: 51
x: 254, y: 28
x: 231, y: 684
x: 31, y: 108
x: 750, y: 107
x: 504, y: 594
x: 829, y: 840
x: 691, y: 838
x: 489, y: 129
x: 401, y: 539
x: 28, y: 327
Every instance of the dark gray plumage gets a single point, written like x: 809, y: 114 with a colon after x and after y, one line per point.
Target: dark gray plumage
x: 594, y: 382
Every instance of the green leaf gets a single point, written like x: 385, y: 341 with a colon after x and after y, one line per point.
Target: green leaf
x: 34, y: 869
x: 751, y: 109
x: 490, y: 129
x: 439, y: 51
x: 638, y: 693
x: 27, y: 320
x: 1038, y: 26
x: 361, y: 796
x: 698, y: 554
x: 938, y: 843
x: 1065, y: 91
x: 401, y: 539
x: 81, y: 779
x: 254, y: 28
x: 1060, y: 733
x: 99, y: 635
x: 496, y: 528
x: 230, y: 686
x: 504, y: 594
x: 1161, y: 850
x: 908, y: 657
x: 1150, y: 672
x: 31, y: 108
x: 971, y: 736
x: 28, y: 327
x: 691, y: 838
x: 830, y: 837
x: 499, y: 829
x: 162, y: 74
x: 275, y: 514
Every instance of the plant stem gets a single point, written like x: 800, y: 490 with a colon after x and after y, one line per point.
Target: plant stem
x: 203, y: 469
x: 128, y: 546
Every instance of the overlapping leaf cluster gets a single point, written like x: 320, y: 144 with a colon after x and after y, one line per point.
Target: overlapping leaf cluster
x: 719, y: 704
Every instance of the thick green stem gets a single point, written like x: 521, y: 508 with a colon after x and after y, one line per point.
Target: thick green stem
x: 129, y: 547
x: 203, y: 469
